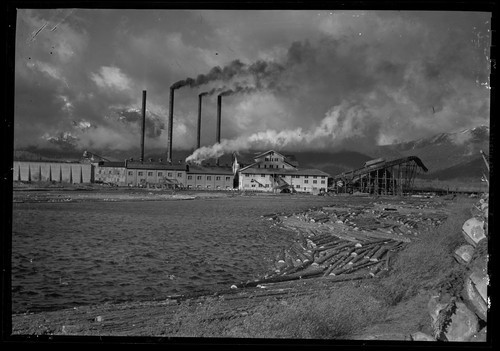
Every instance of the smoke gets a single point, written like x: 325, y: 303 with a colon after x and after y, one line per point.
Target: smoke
x: 239, y: 90
x: 342, y: 124
x: 263, y: 73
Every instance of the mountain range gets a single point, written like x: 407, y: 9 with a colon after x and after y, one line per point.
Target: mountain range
x: 448, y: 156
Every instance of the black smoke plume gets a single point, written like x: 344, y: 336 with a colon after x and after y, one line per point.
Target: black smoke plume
x: 261, y: 71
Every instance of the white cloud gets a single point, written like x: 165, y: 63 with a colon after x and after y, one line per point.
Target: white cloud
x: 112, y: 78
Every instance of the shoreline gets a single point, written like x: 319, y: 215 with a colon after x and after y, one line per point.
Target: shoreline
x: 97, y: 193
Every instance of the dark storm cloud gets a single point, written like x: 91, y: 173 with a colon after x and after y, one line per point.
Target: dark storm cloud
x: 396, y: 75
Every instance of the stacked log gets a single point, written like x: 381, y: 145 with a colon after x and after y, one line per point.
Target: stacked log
x: 332, y: 257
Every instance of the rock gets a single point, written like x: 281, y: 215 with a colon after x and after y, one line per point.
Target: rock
x: 419, y: 336
x: 479, y: 276
x: 477, y: 303
x: 473, y: 230
x: 475, y: 288
x: 480, y: 336
x: 464, y: 254
x: 461, y: 325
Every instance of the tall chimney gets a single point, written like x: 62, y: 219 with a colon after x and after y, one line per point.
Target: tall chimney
x: 170, y: 125
x: 198, y: 135
x: 219, y: 105
x: 143, y: 123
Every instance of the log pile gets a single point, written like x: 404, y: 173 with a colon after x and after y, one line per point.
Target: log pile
x: 341, y: 243
x: 327, y: 256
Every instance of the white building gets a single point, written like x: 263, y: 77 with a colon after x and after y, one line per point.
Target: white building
x: 272, y: 171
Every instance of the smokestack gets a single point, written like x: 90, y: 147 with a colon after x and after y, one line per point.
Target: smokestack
x: 143, y: 123
x: 170, y: 125
x: 198, y: 135
x: 219, y: 105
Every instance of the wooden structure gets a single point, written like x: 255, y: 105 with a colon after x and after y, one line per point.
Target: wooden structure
x: 380, y: 177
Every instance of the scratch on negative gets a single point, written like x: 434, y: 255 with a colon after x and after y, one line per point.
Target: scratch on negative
x: 38, y: 31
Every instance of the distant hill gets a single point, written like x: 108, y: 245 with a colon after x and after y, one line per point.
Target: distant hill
x: 466, y: 170
x: 446, y: 155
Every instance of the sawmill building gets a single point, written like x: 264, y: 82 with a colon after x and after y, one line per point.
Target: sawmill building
x: 274, y: 172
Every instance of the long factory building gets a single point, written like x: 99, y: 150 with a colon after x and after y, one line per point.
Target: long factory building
x: 267, y: 172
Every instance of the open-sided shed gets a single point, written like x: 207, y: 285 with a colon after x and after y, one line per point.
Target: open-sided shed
x: 382, y: 177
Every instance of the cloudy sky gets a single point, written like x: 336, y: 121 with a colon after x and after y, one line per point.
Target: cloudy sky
x: 300, y: 80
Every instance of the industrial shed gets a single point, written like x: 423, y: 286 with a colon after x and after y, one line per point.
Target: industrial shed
x: 382, y: 177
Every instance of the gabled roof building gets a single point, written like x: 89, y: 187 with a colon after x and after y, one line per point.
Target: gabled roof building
x: 272, y: 171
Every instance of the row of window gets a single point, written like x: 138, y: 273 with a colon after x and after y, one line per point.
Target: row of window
x: 293, y: 176
x: 271, y: 159
x: 208, y: 178
x: 150, y: 174
x: 298, y: 186
x: 169, y: 174
x: 253, y: 185
x: 208, y: 186
x: 271, y: 166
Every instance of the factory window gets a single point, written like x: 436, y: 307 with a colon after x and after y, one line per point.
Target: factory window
x: 315, y: 182
x: 190, y: 177
x: 140, y: 173
x: 217, y: 178
x: 306, y: 176
x: 169, y: 174
x: 265, y: 166
x: 209, y: 178
x: 322, y: 177
x: 198, y: 177
x: 306, y: 181
x: 315, y: 177
x: 130, y: 173
x: 160, y: 174
x: 253, y: 185
x: 179, y: 175
x: 283, y: 166
x: 228, y: 179
x: 322, y: 182
x: 150, y: 174
x: 258, y: 166
x: 298, y: 186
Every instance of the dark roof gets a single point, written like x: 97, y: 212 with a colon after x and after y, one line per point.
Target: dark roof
x: 210, y: 170
x: 111, y: 164
x: 382, y: 165
x: 312, y: 172
x: 267, y: 152
x: 155, y: 165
